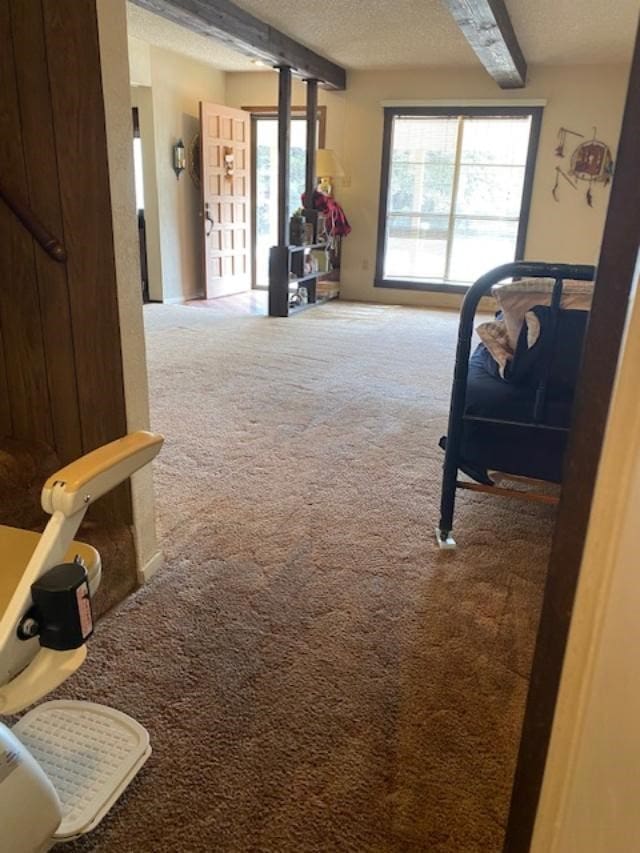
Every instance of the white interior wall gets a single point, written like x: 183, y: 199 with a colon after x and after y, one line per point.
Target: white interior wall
x: 139, y: 62
x: 178, y: 84
x: 175, y: 84
x: 115, y: 84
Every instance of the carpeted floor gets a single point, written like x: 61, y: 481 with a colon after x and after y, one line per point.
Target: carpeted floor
x: 314, y: 673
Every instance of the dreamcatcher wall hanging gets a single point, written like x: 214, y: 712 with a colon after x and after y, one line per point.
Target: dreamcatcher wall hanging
x: 591, y: 161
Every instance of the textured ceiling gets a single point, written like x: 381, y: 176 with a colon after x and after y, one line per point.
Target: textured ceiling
x: 370, y: 33
x: 411, y: 33
x: 575, y: 32
x: 397, y: 33
x: 158, y: 31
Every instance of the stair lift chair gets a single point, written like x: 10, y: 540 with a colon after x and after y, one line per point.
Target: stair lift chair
x: 64, y: 763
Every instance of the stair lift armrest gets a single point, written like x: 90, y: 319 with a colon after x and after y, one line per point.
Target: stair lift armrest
x: 67, y: 496
x: 47, y: 670
x: 79, y: 484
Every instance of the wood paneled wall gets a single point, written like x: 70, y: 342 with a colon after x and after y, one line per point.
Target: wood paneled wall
x: 61, y: 379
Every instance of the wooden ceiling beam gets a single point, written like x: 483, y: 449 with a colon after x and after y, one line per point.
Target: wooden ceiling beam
x: 223, y: 20
x: 487, y: 27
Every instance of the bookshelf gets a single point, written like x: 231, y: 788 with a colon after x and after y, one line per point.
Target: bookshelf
x: 288, y: 274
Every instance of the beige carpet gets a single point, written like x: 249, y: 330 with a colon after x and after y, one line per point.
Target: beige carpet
x: 314, y: 673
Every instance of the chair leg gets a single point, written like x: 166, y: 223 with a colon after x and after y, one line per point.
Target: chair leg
x: 447, y: 501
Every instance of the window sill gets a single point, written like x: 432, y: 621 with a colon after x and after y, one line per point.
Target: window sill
x: 422, y: 284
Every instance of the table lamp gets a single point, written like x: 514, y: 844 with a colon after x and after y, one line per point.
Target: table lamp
x: 327, y: 167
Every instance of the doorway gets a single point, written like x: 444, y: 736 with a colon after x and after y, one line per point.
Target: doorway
x: 138, y: 170
x: 265, y: 179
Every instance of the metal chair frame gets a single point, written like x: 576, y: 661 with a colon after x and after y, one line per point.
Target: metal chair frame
x: 457, y: 417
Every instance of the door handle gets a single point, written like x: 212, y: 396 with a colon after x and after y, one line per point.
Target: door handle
x: 209, y: 220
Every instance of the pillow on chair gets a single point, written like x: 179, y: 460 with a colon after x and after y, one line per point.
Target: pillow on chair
x: 515, y: 300
x: 496, y: 341
x: 531, y: 357
x: 518, y: 297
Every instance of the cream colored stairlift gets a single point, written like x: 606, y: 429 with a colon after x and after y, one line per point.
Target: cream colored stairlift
x: 64, y: 763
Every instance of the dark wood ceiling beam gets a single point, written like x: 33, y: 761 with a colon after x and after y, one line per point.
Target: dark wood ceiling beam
x: 487, y: 27
x: 223, y: 20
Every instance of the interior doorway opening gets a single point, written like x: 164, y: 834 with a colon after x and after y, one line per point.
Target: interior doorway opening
x: 138, y: 169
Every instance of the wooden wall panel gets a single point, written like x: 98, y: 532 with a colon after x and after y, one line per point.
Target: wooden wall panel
x: 60, y: 352
x: 24, y: 356
x: 6, y: 426
x: 76, y: 95
x: 71, y: 37
x: 44, y: 198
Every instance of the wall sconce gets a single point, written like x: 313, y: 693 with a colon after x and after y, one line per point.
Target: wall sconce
x: 179, y: 158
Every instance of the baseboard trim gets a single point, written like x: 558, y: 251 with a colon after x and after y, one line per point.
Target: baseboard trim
x: 150, y: 568
x: 180, y: 300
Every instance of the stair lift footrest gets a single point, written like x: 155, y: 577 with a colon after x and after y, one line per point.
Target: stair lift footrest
x: 89, y: 752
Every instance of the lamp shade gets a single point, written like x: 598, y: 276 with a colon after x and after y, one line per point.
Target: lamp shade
x: 327, y: 164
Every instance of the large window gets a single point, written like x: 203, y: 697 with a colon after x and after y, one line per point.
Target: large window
x: 265, y: 177
x: 266, y: 185
x: 455, y: 193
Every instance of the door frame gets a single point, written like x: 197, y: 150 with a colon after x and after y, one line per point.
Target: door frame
x: 268, y: 112
x: 142, y: 225
x: 611, y: 303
